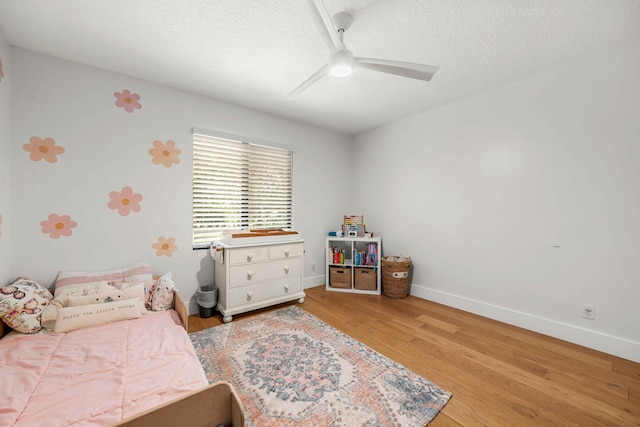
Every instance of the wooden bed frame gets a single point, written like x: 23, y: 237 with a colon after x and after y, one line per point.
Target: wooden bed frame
x: 181, y: 308
x: 214, y: 405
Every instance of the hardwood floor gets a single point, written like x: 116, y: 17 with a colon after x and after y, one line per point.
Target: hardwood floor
x: 498, y: 374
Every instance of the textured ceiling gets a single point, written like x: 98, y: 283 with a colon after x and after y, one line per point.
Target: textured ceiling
x: 254, y: 52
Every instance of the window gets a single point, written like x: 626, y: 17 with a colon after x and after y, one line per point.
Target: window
x: 239, y: 184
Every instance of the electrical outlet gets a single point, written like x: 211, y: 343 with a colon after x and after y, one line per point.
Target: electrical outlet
x: 313, y: 268
x: 589, y: 311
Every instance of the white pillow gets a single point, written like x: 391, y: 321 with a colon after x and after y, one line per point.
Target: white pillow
x: 148, y: 289
x: 50, y: 314
x: 72, y: 318
x: 111, y: 295
x: 81, y: 290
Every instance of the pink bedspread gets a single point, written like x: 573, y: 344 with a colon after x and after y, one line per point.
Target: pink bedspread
x: 96, y: 376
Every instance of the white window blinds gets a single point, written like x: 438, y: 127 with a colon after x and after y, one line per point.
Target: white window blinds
x: 239, y: 185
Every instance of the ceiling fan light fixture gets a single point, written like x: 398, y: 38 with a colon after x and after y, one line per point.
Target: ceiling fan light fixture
x: 341, y: 63
x: 341, y: 71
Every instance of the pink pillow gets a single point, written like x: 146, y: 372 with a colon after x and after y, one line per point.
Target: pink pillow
x: 72, y: 282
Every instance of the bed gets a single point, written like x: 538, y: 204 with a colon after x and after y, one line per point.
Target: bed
x: 131, y: 371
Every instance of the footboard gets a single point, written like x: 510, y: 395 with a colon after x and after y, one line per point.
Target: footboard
x: 215, y: 405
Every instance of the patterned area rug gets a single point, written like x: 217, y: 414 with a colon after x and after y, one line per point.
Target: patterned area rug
x: 292, y: 369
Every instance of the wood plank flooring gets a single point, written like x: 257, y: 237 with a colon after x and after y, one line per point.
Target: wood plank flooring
x: 499, y: 375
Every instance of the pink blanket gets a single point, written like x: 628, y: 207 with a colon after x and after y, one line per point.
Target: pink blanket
x: 96, y: 376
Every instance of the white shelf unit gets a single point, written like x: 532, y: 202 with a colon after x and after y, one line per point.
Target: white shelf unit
x: 350, y: 276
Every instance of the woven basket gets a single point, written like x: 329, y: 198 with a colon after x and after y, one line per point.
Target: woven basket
x: 395, y: 276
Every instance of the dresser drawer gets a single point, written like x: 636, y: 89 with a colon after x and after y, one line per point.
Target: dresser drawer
x: 286, y: 251
x: 245, y: 255
x: 275, y: 288
x: 250, y: 273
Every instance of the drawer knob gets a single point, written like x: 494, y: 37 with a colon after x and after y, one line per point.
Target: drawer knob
x: 286, y: 288
x: 249, y: 275
x: 286, y: 252
x: 249, y: 295
x: 286, y: 269
x: 249, y: 257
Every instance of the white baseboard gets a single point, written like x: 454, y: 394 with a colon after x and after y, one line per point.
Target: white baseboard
x: 313, y: 281
x: 592, y: 339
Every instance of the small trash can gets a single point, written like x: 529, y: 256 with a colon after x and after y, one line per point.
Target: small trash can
x: 207, y: 298
x: 395, y: 276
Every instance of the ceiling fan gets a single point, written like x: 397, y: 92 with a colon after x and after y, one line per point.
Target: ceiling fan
x: 341, y: 59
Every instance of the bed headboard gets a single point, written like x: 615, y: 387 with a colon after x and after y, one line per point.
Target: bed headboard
x: 4, y: 329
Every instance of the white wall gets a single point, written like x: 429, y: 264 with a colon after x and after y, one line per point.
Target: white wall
x: 521, y: 203
x: 106, y: 148
x: 5, y: 162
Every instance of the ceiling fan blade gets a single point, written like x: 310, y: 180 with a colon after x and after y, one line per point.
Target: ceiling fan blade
x: 325, y: 25
x: 404, y: 69
x: 311, y: 80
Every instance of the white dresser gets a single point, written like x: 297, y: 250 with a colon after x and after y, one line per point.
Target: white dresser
x: 258, y: 275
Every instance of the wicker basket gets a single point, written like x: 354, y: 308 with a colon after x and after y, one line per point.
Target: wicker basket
x: 339, y: 277
x: 395, y: 276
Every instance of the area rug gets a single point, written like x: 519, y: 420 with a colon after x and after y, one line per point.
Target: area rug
x: 292, y: 369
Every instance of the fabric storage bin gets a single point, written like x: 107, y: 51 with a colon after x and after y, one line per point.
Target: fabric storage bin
x: 339, y: 277
x: 365, y: 279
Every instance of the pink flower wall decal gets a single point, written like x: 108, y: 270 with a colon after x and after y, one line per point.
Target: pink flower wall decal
x: 165, y: 154
x: 127, y: 100
x: 0, y: 224
x: 1, y: 71
x: 58, y: 225
x: 43, y: 149
x: 125, y: 201
x: 165, y: 246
